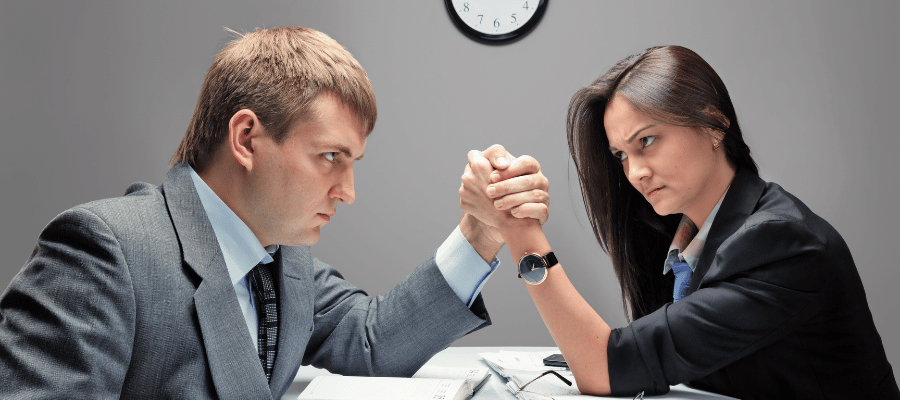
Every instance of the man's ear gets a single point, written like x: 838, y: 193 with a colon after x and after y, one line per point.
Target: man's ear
x: 243, y: 129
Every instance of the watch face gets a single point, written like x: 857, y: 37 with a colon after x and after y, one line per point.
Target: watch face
x: 533, y: 269
x: 496, y: 21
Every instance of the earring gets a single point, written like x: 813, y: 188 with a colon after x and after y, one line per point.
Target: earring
x: 715, y: 145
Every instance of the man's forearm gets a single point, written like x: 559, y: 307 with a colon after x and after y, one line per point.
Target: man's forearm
x: 480, y: 237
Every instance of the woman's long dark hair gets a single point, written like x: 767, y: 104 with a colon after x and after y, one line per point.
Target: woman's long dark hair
x: 669, y: 84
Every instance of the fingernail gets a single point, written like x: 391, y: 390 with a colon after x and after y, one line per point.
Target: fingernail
x: 502, y: 162
x: 495, y: 176
x: 491, y: 190
x: 498, y: 203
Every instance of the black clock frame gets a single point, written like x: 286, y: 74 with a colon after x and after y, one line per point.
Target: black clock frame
x: 501, y: 39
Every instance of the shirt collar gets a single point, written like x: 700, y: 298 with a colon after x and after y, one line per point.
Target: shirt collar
x: 689, y: 241
x: 240, y: 247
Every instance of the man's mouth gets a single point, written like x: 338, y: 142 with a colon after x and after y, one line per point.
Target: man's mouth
x: 326, y: 217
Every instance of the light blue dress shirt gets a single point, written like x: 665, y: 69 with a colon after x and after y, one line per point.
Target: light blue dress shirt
x: 462, y: 267
x: 689, y: 251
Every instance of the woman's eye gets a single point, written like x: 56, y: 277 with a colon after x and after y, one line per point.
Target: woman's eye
x: 620, y: 156
x: 330, y: 155
x: 647, y: 140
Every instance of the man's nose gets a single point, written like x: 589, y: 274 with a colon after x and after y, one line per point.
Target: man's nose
x: 343, y: 189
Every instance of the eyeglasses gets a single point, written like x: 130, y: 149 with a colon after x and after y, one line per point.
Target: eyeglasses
x: 566, y: 381
x: 639, y: 396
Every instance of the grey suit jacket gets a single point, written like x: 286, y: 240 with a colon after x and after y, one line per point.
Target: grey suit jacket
x: 130, y: 297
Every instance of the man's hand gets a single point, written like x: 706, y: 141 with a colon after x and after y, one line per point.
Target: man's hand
x: 498, y: 189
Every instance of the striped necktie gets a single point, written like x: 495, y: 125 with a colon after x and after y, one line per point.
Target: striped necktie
x: 263, y: 286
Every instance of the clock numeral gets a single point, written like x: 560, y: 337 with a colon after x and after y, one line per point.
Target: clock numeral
x: 498, y: 23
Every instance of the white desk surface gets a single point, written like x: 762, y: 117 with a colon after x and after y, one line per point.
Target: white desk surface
x: 496, y: 386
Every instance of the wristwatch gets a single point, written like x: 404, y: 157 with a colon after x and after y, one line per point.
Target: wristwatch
x: 533, y: 267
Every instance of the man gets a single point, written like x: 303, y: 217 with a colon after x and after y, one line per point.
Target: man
x: 204, y: 287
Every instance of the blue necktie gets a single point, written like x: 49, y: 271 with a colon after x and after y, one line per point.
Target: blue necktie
x: 682, y: 278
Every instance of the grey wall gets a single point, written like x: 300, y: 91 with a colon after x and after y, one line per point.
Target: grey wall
x: 95, y: 95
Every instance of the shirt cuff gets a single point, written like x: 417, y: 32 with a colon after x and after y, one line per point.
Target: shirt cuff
x: 462, y: 267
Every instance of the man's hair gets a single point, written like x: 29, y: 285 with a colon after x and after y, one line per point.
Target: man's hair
x: 277, y: 73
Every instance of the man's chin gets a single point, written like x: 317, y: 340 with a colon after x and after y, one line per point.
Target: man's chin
x: 307, y: 238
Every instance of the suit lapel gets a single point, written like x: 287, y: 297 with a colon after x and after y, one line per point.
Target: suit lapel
x: 295, y: 304
x: 233, y: 362
x: 739, y: 203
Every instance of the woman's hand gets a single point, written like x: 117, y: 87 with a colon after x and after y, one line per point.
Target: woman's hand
x: 506, y: 196
x: 521, y: 189
x: 513, y: 202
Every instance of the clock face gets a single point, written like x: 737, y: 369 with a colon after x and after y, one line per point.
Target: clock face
x: 496, y: 21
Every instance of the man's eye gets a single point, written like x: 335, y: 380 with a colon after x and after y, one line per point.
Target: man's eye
x: 647, y: 140
x: 330, y: 155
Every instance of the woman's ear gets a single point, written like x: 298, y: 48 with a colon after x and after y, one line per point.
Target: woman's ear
x: 716, y: 135
x: 717, y: 115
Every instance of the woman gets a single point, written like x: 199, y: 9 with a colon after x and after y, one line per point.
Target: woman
x: 758, y: 297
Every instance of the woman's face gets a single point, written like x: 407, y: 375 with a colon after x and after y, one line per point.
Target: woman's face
x: 675, y: 168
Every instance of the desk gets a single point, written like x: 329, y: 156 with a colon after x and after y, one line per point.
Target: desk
x: 495, y: 388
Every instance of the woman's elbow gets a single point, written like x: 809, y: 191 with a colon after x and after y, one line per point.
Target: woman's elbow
x: 592, y: 383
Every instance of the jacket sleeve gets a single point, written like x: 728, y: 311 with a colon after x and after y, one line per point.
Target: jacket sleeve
x: 765, y: 281
x: 67, y: 318
x: 390, y: 335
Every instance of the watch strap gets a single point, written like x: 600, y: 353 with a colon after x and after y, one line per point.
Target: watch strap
x: 550, y: 259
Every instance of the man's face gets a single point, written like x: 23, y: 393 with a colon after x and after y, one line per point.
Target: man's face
x: 295, y: 186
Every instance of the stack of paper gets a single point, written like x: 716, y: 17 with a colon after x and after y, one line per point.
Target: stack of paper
x: 429, y: 383
x: 507, y: 363
x: 474, y: 377
x: 521, y: 367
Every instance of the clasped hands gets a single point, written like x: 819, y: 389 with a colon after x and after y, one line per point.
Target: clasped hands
x: 503, y: 193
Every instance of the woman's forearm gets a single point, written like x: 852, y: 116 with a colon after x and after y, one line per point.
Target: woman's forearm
x: 582, y: 336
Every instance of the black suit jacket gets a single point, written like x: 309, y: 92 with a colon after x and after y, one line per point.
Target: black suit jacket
x: 775, y: 309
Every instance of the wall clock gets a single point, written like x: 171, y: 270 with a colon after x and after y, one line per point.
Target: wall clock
x: 496, y: 21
